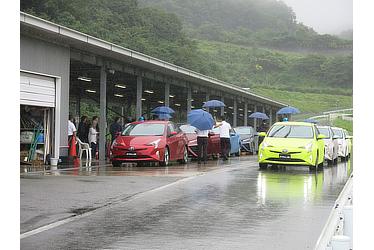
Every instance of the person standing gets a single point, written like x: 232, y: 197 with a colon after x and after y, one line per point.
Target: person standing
x: 115, y: 128
x: 83, y: 128
x: 92, y: 135
x: 202, y: 145
x: 72, y: 131
x: 224, y: 135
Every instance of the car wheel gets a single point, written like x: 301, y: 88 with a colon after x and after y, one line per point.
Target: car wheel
x: 342, y: 158
x: 330, y: 162
x: 165, y: 162
x: 335, y: 161
x: 263, y: 165
x: 116, y: 164
x: 185, y: 156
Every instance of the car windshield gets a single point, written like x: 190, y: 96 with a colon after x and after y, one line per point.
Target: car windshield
x: 291, y: 131
x: 188, y: 129
x: 324, y: 131
x: 338, y: 133
x: 243, y: 130
x: 144, y: 129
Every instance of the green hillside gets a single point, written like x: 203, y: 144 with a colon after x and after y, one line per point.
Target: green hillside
x: 251, y: 43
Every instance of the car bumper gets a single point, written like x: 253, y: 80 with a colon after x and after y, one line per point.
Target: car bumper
x: 297, y: 157
x: 137, y: 155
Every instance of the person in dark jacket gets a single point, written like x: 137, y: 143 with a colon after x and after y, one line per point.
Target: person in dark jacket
x: 83, y: 129
x: 115, y: 128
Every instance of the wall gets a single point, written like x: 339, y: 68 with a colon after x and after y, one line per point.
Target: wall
x: 51, y: 59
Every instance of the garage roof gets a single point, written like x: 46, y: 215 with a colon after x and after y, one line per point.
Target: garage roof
x: 84, y: 42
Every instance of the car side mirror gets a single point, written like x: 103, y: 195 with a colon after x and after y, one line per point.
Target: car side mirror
x: 262, y: 134
x: 321, y: 136
x: 173, y: 133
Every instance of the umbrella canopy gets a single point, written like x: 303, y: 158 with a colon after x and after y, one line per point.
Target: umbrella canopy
x: 213, y: 104
x: 288, y: 110
x: 163, y: 110
x: 164, y: 116
x: 311, y: 121
x: 259, y: 115
x: 200, y: 119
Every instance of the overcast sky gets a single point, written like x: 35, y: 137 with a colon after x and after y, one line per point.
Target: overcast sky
x: 325, y: 16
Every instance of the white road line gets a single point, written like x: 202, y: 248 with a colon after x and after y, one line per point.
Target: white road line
x: 131, y: 198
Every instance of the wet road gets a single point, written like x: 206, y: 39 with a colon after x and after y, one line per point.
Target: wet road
x: 235, y: 206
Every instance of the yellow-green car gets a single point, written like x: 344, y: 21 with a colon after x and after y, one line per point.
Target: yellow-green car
x: 292, y: 143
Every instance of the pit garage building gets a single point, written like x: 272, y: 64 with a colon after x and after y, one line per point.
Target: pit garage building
x: 62, y: 69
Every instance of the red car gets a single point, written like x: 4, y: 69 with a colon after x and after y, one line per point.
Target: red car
x: 214, y: 146
x: 150, y: 141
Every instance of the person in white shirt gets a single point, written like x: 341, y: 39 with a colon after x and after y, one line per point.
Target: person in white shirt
x: 72, y: 130
x: 224, y: 135
x: 92, y: 135
x: 202, y: 145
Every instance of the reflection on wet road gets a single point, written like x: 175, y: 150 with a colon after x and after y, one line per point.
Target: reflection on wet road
x: 237, y: 207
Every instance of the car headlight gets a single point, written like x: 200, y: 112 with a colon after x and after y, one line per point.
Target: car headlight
x: 154, y: 143
x: 308, y: 147
x: 265, y: 145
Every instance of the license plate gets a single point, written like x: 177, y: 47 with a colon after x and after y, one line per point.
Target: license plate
x: 285, y: 156
x: 131, y: 153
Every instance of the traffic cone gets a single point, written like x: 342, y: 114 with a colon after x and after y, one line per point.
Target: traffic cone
x: 73, y: 148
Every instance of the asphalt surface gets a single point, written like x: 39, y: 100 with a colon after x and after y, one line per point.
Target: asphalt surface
x: 217, y: 206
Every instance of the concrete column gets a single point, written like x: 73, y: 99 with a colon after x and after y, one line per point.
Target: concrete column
x: 207, y: 99
x: 235, y: 116
x: 102, y: 120
x: 254, y: 119
x: 189, y: 99
x: 222, y: 108
x: 139, y: 92
x: 167, y: 94
x: 271, y: 117
x: 245, y: 114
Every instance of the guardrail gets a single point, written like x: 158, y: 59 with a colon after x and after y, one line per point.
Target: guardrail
x: 337, y: 233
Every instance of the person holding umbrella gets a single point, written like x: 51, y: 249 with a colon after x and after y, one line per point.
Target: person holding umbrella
x: 203, y: 122
x: 224, y: 135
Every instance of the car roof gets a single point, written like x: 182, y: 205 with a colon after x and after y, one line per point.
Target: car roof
x: 152, y: 122
x: 295, y: 123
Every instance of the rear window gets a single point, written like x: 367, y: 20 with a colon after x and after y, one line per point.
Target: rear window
x: 244, y: 130
x: 144, y: 129
x: 188, y: 129
x: 291, y: 131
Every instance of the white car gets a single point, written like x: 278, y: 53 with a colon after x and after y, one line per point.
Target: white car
x: 343, y: 151
x: 331, y: 144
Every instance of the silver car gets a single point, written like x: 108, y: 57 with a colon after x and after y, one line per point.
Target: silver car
x: 343, y: 151
x: 331, y: 144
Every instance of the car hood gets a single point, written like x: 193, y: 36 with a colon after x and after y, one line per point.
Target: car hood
x: 136, y: 140
x: 287, y: 142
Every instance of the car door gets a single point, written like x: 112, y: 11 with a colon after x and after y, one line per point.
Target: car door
x: 172, y: 141
x: 320, y: 146
x: 181, y: 142
x: 214, y: 143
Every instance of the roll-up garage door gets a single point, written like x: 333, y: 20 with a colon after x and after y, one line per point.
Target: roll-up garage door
x: 37, y: 90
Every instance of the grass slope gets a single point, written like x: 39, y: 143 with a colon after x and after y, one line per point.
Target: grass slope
x: 309, y: 103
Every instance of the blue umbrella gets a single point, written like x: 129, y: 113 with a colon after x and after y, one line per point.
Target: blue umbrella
x: 163, y: 110
x: 288, y: 110
x: 200, y: 119
x: 164, y: 116
x: 213, y: 104
x: 259, y: 115
x: 311, y: 121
